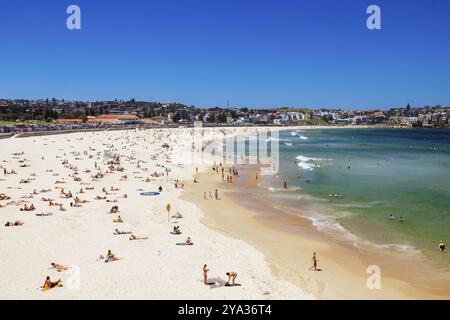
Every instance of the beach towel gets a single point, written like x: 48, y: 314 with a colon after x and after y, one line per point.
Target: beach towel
x: 150, y: 193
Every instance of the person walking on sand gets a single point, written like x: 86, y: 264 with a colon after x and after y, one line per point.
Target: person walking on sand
x: 205, y: 274
x: 216, y: 193
x: 314, y: 263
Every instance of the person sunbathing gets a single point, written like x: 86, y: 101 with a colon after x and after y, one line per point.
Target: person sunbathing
x: 78, y: 200
x: 189, y: 241
x: 48, y: 284
x: 58, y: 267
x: 4, y: 197
x: 177, y: 215
x: 111, y: 257
x: 16, y: 223
x: 28, y: 208
x: 44, y: 214
x: 117, y: 232
x: 176, y: 230
x: 100, y: 198
x: 118, y: 220
x: 133, y: 237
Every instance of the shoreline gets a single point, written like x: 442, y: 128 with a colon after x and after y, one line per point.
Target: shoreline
x: 288, y: 241
x: 155, y: 268
x: 236, y: 232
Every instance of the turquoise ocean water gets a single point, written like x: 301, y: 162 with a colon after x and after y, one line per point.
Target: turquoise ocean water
x: 376, y: 173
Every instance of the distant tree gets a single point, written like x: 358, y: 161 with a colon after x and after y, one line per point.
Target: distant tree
x: 222, y: 118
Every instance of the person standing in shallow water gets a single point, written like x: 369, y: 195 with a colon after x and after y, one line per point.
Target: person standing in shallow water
x: 441, y: 246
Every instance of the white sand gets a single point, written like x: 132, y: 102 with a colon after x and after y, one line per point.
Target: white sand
x: 79, y: 235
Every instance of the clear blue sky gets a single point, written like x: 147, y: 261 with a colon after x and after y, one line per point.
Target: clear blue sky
x: 305, y: 53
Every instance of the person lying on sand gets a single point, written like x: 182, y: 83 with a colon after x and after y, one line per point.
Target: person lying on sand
x: 48, y: 284
x: 231, y: 278
x: 58, y: 267
x: 133, y: 237
x: 114, y: 209
x: 4, y: 197
x: 78, y: 200
x: 177, y: 215
x: 28, y: 208
x: 117, y: 232
x: 176, y: 230
x: 118, y: 220
x: 100, y: 198
x: 14, y: 224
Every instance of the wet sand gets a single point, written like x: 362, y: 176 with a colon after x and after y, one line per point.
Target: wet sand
x: 288, y: 243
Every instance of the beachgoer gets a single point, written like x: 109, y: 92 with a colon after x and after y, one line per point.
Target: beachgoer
x: 314, y: 263
x: 231, y: 277
x: 49, y: 284
x: 58, y: 267
x: 205, y: 274
x: 441, y: 246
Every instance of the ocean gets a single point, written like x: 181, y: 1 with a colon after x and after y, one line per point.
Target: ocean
x: 349, y: 181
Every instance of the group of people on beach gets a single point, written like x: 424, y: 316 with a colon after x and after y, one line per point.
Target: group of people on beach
x: 231, y: 282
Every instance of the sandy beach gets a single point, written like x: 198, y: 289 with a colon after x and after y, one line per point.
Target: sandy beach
x: 53, y: 169
x: 75, y: 180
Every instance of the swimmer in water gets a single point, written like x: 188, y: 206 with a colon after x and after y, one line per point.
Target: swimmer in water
x: 441, y: 246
